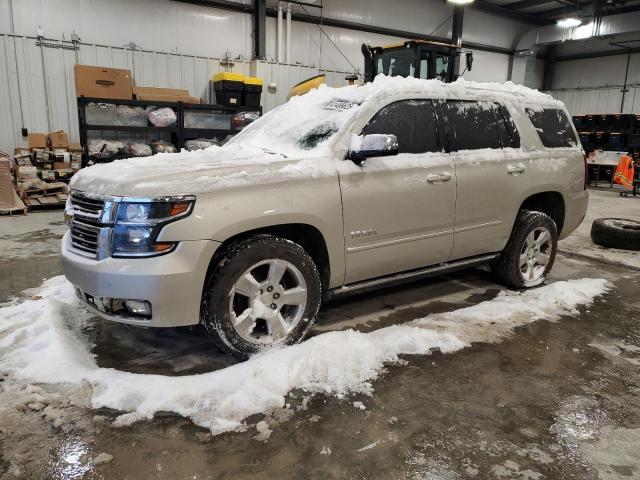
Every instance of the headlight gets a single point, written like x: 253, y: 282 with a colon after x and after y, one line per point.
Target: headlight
x: 138, y: 224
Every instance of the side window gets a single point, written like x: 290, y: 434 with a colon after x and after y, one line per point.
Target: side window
x: 474, y: 125
x: 553, y: 127
x: 411, y: 121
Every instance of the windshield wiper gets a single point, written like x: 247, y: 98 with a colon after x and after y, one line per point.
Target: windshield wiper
x: 273, y: 153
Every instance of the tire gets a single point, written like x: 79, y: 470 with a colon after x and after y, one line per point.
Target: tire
x: 522, y: 264
x: 616, y: 233
x: 243, y: 287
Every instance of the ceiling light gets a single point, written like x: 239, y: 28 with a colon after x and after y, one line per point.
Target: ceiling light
x: 569, y: 22
x: 460, y: 2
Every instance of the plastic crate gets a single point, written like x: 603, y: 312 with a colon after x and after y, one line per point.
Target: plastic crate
x: 252, y: 92
x: 616, y: 139
x: 100, y: 114
x: 600, y: 137
x: 205, y: 119
x: 603, y: 121
x: 589, y: 121
x: 228, y: 87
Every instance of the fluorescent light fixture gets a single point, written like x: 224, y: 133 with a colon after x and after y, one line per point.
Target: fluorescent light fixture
x: 569, y: 22
x: 460, y: 2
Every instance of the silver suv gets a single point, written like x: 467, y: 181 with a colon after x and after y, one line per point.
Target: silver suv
x: 336, y: 192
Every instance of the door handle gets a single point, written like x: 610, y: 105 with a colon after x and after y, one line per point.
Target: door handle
x: 439, y: 177
x: 516, y: 168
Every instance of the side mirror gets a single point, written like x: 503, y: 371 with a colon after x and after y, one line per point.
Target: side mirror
x: 469, y: 57
x: 374, y: 145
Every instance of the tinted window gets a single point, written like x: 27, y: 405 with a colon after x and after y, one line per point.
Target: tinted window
x: 411, y: 121
x: 553, y: 127
x: 473, y: 125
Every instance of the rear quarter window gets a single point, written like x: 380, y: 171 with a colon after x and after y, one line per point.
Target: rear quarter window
x: 553, y: 127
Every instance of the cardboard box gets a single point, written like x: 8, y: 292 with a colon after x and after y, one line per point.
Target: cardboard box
x: 102, y: 82
x: 37, y: 140
x: 61, y: 165
x: 24, y: 161
x: 172, y: 92
x: 167, y: 98
x: 22, y: 151
x: 75, y: 147
x: 24, y: 172
x: 58, y: 139
x: 47, y: 175
x: 63, y: 174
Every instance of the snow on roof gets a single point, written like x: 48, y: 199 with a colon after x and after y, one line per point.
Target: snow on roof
x: 384, y: 85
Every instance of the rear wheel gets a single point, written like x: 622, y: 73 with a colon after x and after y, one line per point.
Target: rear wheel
x: 264, y: 292
x: 530, y: 253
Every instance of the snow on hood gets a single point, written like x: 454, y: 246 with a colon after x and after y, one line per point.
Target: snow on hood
x: 42, y: 340
x: 269, y: 143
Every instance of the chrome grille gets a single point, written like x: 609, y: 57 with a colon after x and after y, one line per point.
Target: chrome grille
x: 87, y: 205
x: 86, y: 224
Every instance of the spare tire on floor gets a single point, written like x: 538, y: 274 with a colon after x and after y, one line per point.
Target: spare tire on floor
x: 616, y: 233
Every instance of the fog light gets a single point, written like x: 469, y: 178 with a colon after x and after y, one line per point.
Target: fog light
x: 138, y: 307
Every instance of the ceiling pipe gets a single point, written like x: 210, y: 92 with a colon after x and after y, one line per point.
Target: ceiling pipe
x: 279, y: 39
x: 605, y: 27
x: 288, y: 33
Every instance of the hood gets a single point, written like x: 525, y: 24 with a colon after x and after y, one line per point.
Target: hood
x: 191, y: 173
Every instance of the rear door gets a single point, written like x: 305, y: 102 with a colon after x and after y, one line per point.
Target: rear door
x: 398, y: 210
x: 491, y: 172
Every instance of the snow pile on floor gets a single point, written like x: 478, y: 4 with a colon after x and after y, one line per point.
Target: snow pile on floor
x: 41, y: 340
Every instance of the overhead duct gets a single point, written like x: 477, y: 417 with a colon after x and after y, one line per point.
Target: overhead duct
x: 525, y: 64
x: 605, y: 27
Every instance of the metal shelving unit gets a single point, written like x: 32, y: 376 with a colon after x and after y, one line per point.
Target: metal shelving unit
x: 179, y: 133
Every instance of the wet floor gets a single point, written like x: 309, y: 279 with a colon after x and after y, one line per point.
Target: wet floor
x: 557, y: 400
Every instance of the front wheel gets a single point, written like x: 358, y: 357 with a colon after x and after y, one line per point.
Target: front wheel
x: 529, y: 255
x: 264, y: 292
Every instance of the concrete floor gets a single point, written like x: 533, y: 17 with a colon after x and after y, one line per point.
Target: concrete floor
x: 557, y: 400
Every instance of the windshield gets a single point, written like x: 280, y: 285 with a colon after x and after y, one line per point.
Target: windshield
x: 300, y: 125
x: 396, y: 63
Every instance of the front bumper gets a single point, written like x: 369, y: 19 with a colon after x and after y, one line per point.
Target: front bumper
x: 172, y: 283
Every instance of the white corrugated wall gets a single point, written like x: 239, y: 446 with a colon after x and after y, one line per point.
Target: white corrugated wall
x: 22, y: 85
x: 599, y: 100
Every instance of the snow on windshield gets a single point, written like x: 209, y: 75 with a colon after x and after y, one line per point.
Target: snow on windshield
x: 303, y: 123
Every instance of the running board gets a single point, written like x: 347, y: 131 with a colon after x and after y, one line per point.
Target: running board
x: 410, y: 276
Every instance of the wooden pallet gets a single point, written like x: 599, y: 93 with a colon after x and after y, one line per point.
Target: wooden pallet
x: 50, y: 189
x: 46, y: 201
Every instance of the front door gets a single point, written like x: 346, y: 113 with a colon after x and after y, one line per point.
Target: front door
x: 399, y: 211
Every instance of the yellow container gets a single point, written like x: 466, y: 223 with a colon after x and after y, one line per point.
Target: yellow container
x: 229, y: 77
x: 253, y: 81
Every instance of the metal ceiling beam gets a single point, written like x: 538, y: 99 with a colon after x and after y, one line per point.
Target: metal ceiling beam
x: 331, y: 22
x: 558, y: 12
x: 484, y: 5
x: 606, y: 53
x: 221, y: 4
x: 611, y: 10
x: 260, y: 29
x: 526, y: 4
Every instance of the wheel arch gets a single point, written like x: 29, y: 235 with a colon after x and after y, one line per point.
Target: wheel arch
x: 550, y: 203
x: 308, y: 236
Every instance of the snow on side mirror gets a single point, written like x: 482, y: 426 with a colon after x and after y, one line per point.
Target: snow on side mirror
x: 374, y: 145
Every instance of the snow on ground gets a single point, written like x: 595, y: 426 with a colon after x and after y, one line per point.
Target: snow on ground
x: 42, y: 341
x: 603, y: 203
